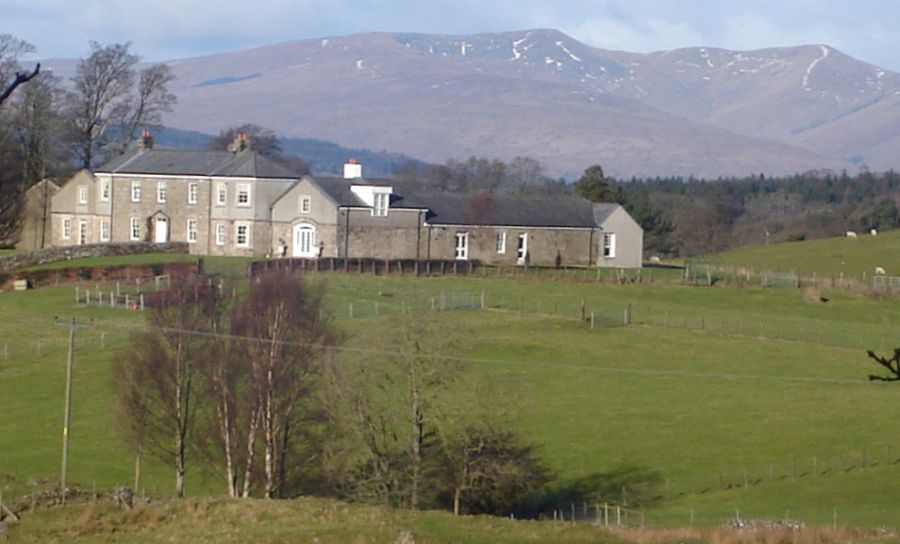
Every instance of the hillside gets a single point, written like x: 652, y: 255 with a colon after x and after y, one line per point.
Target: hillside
x: 696, y: 111
x: 847, y: 257
x: 713, y: 399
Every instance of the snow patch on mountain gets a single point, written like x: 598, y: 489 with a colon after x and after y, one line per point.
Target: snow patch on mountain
x: 812, y: 65
x: 515, y: 46
x: 572, y: 55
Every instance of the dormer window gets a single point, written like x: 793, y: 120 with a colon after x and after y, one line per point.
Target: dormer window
x: 380, y: 208
x: 376, y: 196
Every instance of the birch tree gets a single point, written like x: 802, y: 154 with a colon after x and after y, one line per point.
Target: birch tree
x: 286, y: 336
x: 156, y: 379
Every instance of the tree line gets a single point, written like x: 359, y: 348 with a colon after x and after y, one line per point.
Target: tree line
x: 259, y: 388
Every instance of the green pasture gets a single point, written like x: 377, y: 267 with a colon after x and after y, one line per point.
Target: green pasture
x: 711, y: 401
x: 829, y: 257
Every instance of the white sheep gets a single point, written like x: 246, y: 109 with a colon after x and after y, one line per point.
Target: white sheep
x: 851, y: 234
x: 879, y: 271
x: 654, y: 259
x: 874, y: 232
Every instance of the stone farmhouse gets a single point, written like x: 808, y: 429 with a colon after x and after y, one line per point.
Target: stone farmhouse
x: 239, y: 202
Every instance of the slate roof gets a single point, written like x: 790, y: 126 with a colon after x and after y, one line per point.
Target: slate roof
x: 197, y: 163
x: 495, y: 210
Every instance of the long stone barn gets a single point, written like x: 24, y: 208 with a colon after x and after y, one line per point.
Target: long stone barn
x: 242, y: 203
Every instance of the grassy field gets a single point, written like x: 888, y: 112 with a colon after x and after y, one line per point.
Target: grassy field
x: 714, y: 400
x: 828, y: 257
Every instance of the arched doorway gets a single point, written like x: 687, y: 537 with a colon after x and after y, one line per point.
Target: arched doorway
x: 305, y: 241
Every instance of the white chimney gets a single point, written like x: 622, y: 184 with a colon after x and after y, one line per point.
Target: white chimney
x: 352, y: 169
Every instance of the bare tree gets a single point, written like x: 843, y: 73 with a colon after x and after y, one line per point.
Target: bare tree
x: 395, y: 411
x: 289, y: 336
x: 103, y: 97
x: 156, y: 382
x: 892, y: 364
x: 36, y: 124
x: 150, y: 102
x: 487, y: 470
x: 12, y: 50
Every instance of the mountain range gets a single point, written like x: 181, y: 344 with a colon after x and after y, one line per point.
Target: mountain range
x: 697, y: 111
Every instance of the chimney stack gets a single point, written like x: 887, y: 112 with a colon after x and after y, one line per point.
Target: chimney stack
x: 352, y: 169
x: 241, y: 143
x: 146, y: 140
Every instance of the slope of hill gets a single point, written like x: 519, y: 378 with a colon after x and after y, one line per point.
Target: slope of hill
x: 696, y: 111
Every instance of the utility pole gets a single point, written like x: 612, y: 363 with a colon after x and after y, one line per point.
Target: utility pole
x: 72, y: 324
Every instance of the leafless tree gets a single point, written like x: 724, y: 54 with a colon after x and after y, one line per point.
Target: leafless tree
x: 487, y: 470
x: 155, y: 381
x: 11, y: 51
x: 395, y: 409
x: 103, y: 96
x: 289, y: 336
x: 36, y: 124
x: 264, y: 141
x: 892, y: 364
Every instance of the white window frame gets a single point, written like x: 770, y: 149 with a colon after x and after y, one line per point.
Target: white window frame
x: 104, y: 190
x: 134, y: 229
x: 305, y: 204
x: 104, y: 230
x: 220, y: 234
x: 191, y: 231
x: 82, y: 232
x: 66, y: 229
x: 135, y: 191
x: 243, y: 190
x: 501, y: 242
x: 193, y: 190
x: 461, y: 246
x: 380, y: 204
x: 82, y: 194
x: 522, y: 248
x: 237, y: 235
x: 221, y: 194
x: 609, y: 245
x: 161, y: 192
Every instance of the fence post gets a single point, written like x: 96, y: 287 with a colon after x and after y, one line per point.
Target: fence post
x: 351, y: 310
x: 592, y: 320
x: 142, y: 301
x: 483, y: 305
x: 102, y: 340
x: 77, y: 299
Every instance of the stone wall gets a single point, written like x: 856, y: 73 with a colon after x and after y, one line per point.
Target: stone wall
x: 79, y: 274
x: 53, y: 254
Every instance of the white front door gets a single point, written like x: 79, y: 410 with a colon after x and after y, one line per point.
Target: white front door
x: 305, y: 241
x: 82, y: 232
x: 161, y: 231
x: 462, y: 246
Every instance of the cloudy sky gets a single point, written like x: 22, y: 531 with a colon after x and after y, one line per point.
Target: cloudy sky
x: 169, y: 29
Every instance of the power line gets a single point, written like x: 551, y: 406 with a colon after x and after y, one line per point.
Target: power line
x: 477, y: 360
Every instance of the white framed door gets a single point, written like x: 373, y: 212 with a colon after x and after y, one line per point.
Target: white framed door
x: 462, y: 246
x: 522, y: 248
x: 305, y: 241
x: 161, y: 230
x: 82, y: 232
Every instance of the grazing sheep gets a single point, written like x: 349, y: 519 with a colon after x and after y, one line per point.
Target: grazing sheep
x: 851, y: 234
x: 879, y: 271
x: 874, y: 232
x: 654, y: 259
